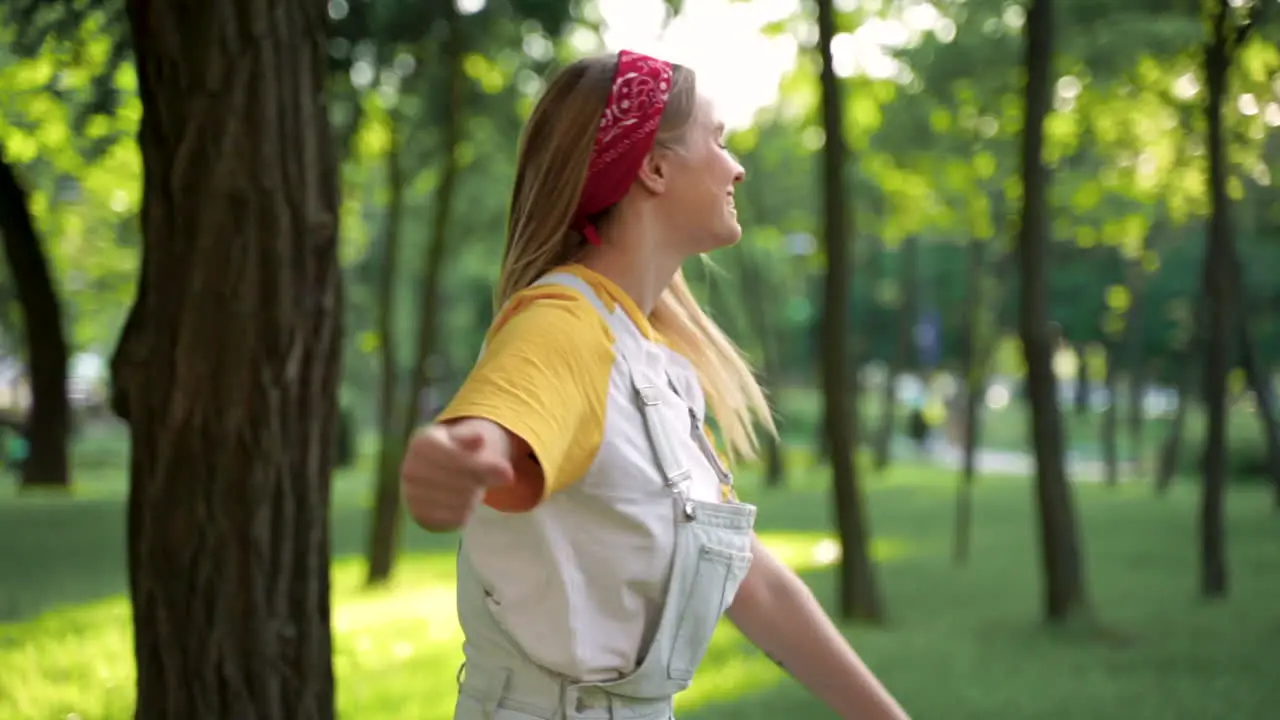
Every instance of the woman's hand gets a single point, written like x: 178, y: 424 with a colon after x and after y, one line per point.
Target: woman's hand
x: 447, y: 469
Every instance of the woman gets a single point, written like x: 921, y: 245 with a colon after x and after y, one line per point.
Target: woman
x: 601, y: 537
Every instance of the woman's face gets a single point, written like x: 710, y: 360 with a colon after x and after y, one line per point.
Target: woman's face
x: 700, y: 190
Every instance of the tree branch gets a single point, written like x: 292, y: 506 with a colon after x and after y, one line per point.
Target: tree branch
x: 1256, y: 14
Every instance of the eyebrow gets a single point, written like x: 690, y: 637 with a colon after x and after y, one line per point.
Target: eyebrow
x: 720, y: 128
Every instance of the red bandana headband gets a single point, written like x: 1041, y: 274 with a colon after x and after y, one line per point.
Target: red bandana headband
x: 641, y: 86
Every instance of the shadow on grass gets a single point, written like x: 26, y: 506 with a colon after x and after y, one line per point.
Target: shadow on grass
x: 396, y: 648
x: 960, y: 642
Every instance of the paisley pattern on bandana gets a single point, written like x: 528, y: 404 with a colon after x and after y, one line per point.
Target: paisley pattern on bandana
x: 639, y: 96
x: 628, y: 126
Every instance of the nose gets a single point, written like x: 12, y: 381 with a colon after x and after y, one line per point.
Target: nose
x: 739, y: 172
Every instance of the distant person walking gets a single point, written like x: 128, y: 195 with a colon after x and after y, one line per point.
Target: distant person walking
x: 958, y: 419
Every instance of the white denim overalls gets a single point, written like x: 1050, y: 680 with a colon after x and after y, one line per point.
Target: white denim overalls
x: 711, y: 558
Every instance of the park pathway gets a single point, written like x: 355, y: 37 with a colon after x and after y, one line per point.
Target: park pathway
x: 1016, y: 462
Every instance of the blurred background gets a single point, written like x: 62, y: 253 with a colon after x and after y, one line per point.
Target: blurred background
x: 1023, y: 293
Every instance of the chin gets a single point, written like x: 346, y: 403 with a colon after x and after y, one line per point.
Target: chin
x: 727, y: 237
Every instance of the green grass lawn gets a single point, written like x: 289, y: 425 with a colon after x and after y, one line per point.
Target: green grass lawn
x: 961, y: 642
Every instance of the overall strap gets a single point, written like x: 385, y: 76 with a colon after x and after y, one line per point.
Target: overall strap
x: 569, y: 280
x: 675, y: 473
x: 635, y: 355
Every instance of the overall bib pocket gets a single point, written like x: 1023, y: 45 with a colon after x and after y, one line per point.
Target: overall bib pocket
x: 470, y: 708
x: 714, y: 581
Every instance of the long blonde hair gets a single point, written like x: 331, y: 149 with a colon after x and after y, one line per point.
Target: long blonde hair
x: 550, y: 173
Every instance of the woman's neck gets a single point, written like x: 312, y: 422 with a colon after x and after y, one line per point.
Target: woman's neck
x: 633, y: 260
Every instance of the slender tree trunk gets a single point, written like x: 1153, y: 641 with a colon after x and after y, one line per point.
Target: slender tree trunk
x: 1059, y: 543
x: 386, y: 502
x: 1171, y: 448
x: 903, y: 360
x: 859, y: 597
x: 1260, y: 382
x: 431, y: 276
x: 973, y: 365
x: 1258, y: 375
x: 48, y: 424
x: 1082, y: 380
x: 1110, y: 419
x: 1220, y: 316
x: 228, y: 369
x: 754, y: 289
x: 387, y: 511
x: 1137, y: 419
x: 1134, y: 328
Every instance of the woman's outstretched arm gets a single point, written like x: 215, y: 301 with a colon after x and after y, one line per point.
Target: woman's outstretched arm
x: 777, y: 611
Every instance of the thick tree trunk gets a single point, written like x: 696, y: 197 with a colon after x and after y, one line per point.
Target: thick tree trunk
x: 386, y: 502
x: 1220, y: 315
x: 228, y: 369
x: 859, y: 597
x: 48, y: 425
x: 1059, y: 544
x: 903, y: 360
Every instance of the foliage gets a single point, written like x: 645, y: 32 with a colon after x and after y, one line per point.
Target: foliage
x: 84, y: 177
x: 935, y: 159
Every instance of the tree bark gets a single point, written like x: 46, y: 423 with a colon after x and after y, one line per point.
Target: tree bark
x: 228, y: 369
x: 49, y: 422
x: 1064, y: 590
x: 859, y: 597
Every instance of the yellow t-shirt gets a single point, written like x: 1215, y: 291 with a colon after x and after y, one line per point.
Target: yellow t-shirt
x: 544, y: 376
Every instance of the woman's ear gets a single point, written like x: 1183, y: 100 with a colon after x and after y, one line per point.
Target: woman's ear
x: 654, y: 170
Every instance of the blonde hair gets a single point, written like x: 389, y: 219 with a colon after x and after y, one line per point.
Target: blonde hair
x: 550, y: 173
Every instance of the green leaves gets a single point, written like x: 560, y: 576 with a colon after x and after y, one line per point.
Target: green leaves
x: 487, y: 73
x: 82, y: 169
